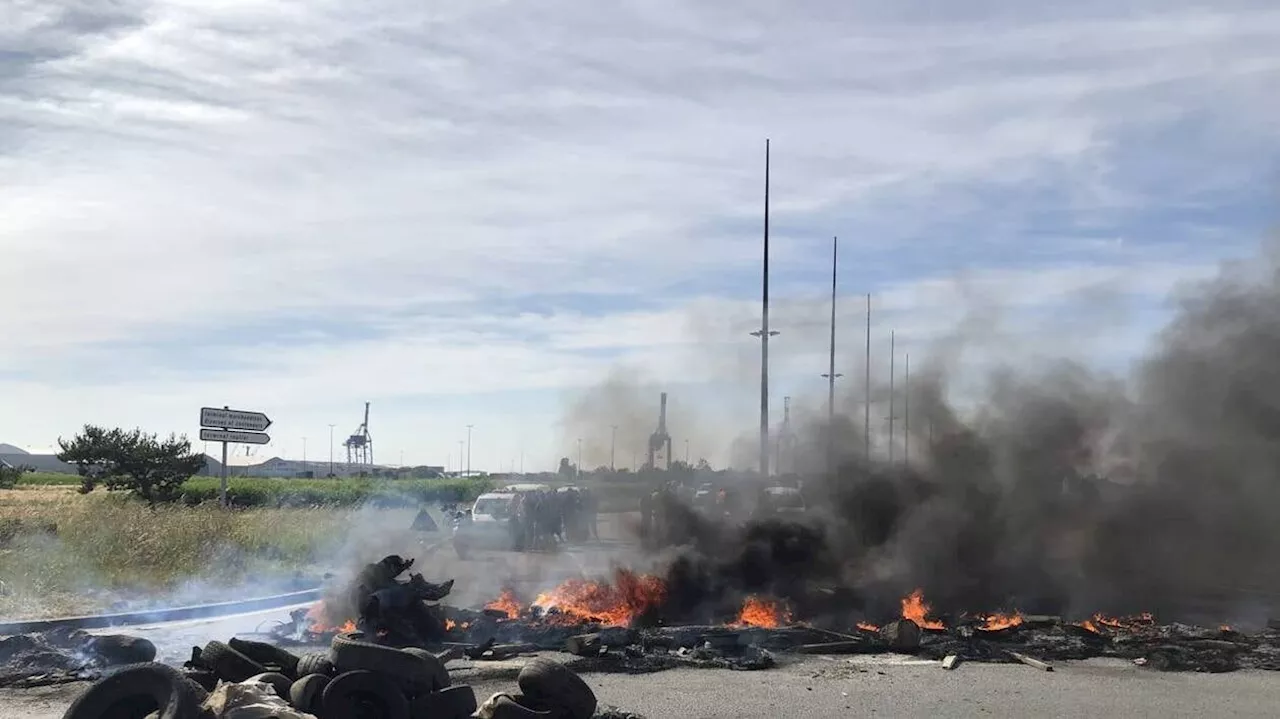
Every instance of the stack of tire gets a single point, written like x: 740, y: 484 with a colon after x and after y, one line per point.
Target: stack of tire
x: 355, y: 678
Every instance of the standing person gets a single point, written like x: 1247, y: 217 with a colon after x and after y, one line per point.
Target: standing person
x: 646, y: 516
x: 590, y: 512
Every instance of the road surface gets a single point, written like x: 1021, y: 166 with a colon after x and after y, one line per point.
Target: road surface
x: 880, y: 687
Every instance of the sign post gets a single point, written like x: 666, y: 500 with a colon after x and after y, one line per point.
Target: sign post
x: 228, y: 425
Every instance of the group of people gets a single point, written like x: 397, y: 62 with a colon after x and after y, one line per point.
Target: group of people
x: 542, y: 520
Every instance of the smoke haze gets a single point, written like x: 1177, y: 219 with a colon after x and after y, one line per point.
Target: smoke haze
x: 1059, y: 488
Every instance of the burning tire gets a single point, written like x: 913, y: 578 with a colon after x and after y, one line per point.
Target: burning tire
x: 437, y: 677
x: 137, y: 691
x: 350, y: 652
x: 229, y: 664
x: 550, y: 684
x: 268, y: 655
x: 317, y: 663
x: 277, y: 681
x: 305, y: 694
x: 363, y: 694
x: 453, y: 703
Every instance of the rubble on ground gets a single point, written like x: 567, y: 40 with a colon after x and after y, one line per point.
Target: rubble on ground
x: 62, y: 656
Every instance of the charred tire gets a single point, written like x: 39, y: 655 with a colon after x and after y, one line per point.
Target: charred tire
x: 228, y: 664
x: 203, y: 678
x: 364, y: 694
x: 436, y: 678
x: 506, y: 706
x: 122, y: 649
x: 545, y: 682
x: 137, y: 691
x: 453, y: 703
x: 268, y: 655
x: 305, y: 693
x: 277, y: 681
x: 317, y: 663
x: 350, y: 652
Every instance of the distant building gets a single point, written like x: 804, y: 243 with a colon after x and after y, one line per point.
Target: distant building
x: 50, y: 464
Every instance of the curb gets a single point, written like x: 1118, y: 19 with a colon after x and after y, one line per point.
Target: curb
x: 155, y: 616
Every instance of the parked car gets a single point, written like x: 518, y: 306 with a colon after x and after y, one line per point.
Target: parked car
x: 780, y: 502
x: 487, y: 524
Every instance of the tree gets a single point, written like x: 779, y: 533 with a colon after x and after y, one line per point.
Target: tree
x: 131, y: 460
x: 9, y: 476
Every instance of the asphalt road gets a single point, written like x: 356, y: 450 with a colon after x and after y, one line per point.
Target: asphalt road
x: 882, y: 687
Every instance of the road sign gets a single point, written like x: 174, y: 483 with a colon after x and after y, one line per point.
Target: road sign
x: 223, y: 435
x: 234, y: 419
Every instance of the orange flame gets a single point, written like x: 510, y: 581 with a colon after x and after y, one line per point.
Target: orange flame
x: 615, y: 604
x: 1099, y: 622
x: 449, y: 624
x: 868, y: 627
x: 915, y: 609
x: 993, y: 622
x: 506, y: 602
x: 320, y: 623
x: 766, y: 613
x: 1224, y: 627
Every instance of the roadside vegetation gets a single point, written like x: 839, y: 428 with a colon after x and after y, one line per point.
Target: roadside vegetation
x: 62, y: 552
x: 157, y: 532
x: 249, y: 492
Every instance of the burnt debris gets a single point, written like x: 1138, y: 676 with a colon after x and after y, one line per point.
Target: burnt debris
x: 62, y: 656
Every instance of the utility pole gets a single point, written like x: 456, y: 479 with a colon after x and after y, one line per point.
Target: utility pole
x: 906, y: 410
x: 613, y: 446
x: 763, y: 333
x: 866, y: 421
x: 579, y: 472
x: 831, y: 374
x: 469, y: 449
x: 304, y: 455
x: 330, y: 450
x: 460, y: 443
x: 891, y: 405
x: 686, y: 453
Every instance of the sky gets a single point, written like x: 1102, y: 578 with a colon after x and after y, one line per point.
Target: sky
x: 496, y: 213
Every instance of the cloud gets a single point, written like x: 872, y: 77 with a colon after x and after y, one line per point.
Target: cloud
x: 313, y: 204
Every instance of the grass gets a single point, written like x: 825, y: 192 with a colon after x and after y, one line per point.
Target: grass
x: 108, y: 548
x: 268, y: 492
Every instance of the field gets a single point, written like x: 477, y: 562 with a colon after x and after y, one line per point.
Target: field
x: 63, y: 552
x: 262, y: 492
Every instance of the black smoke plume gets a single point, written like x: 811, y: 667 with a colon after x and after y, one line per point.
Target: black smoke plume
x: 1067, y: 491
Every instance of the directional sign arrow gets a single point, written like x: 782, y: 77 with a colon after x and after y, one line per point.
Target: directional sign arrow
x: 233, y: 419
x: 222, y: 435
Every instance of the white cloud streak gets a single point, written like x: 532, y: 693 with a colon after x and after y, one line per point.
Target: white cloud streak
x: 174, y: 174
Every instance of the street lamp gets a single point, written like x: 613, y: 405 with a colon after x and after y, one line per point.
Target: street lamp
x: 304, y: 455
x: 330, y: 450
x: 460, y: 443
x: 613, y: 445
x: 469, y: 449
x: 579, y: 475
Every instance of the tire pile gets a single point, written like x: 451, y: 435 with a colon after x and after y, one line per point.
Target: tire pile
x: 355, y: 679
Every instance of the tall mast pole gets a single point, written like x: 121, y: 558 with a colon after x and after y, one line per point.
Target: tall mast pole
x: 831, y: 365
x: 764, y: 332
x: 906, y: 409
x: 892, y: 353
x: 866, y: 419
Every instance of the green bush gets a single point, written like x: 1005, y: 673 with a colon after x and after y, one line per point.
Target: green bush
x: 265, y: 492
x: 250, y: 492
